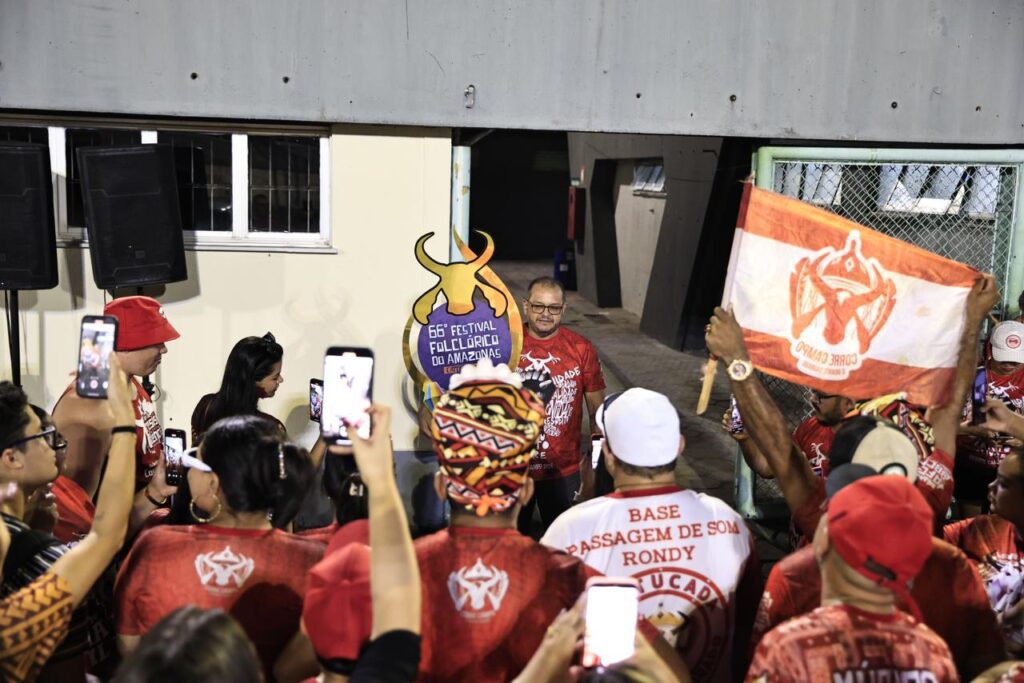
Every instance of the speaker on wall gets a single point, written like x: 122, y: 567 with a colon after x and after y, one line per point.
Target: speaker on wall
x: 133, y: 216
x: 28, y: 243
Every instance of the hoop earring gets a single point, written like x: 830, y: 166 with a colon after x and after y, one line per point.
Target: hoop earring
x: 210, y: 517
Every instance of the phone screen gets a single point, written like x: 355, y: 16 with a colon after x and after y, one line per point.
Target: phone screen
x: 611, y: 615
x: 97, y: 342
x: 596, y: 443
x: 979, y: 394
x: 174, y: 448
x: 348, y: 377
x: 316, y: 399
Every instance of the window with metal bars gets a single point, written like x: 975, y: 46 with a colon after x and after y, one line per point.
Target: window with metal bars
x: 284, y: 184
x: 202, y: 164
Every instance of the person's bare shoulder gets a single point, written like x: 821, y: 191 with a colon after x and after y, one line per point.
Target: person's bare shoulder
x: 75, y: 411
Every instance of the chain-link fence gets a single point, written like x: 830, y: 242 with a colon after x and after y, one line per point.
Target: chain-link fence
x: 961, y: 211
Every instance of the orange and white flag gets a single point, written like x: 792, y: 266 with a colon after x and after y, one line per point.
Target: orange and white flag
x: 833, y: 305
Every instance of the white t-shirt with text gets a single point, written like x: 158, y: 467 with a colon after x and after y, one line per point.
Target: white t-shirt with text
x: 690, y: 552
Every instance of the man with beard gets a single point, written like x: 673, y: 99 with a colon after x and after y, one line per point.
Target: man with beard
x: 564, y: 363
x: 813, y: 436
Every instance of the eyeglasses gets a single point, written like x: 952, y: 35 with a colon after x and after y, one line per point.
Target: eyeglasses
x: 816, y: 398
x: 52, y: 437
x: 554, y: 309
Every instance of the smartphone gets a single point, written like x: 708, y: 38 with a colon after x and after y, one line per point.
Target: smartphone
x: 316, y: 399
x: 174, y: 448
x: 596, y: 444
x: 348, y: 392
x: 94, y: 348
x: 979, y: 394
x: 611, y: 613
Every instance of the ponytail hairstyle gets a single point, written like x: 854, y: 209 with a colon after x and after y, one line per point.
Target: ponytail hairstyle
x: 251, y: 359
x: 258, y: 470
x: 344, y: 486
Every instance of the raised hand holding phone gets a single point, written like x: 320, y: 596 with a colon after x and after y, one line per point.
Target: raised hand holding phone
x: 348, y: 392
x: 373, y: 454
x: 96, y: 348
x: 611, y: 613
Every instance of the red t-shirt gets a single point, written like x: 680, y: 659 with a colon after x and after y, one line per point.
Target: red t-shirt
x: 934, y: 482
x: 571, y: 363
x: 1010, y: 390
x: 843, y: 643
x: 815, y: 440
x: 256, y: 576
x: 948, y: 591
x: 75, y: 511
x: 488, y: 597
x: 334, y: 536
x: 994, y: 546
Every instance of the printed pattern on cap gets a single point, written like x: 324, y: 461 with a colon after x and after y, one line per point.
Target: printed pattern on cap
x: 485, y: 434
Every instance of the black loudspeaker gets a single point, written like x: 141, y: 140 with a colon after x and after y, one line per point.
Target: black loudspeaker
x: 28, y: 243
x: 132, y: 214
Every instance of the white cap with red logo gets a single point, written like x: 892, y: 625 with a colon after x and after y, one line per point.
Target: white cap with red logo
x: 1008, y: 342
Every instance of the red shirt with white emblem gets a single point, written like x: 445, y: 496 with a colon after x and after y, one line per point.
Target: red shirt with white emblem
x: 948, y: 591
x: 997, y: 551
x: 843, y: 643
x: 569, y: 362
x: 256, y: 576
x: 815, y: 441
x: 488, y: 597
x: 1010, y: 390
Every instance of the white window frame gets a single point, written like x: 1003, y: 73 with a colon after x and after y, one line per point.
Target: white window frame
x: 240, y: 238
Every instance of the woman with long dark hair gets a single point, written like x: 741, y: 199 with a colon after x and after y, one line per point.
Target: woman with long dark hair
x: 244, y: 481
x: 253, y: 371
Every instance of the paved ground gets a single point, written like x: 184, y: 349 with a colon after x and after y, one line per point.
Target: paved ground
x: 631, y: 358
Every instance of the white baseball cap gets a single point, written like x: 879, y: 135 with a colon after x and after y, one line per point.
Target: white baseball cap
x: 1008, y: 342
x: 641, y: 427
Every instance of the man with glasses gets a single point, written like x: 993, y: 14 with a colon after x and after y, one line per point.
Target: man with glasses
x: 813, y: 436
x: 28, y: 457
x: 562, y: 367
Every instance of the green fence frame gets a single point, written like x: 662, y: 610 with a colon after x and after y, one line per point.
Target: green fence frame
x: 763, y: 163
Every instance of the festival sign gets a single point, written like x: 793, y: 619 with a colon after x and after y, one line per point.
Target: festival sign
x: 468, y: 315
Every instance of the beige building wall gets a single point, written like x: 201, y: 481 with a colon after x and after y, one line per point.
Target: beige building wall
x: 388, y: 186
x: 637, y: 226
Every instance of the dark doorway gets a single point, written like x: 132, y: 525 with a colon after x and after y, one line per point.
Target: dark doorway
x: 519, y: 195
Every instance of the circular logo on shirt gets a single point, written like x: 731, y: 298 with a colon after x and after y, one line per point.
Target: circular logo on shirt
x: 1013, y: 342
x: 692, y: 614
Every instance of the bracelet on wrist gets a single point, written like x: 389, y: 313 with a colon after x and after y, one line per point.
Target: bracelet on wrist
x: 154, y: 501
x: 124, y: 429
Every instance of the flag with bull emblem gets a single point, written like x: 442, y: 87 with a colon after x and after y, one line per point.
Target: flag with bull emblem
x: 833, y: 305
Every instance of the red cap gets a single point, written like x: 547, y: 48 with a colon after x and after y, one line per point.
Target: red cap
x: 881, y: 526
x: 140, y: 322
x: 337, y: 608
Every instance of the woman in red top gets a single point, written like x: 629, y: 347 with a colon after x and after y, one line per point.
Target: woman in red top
x: 233, y: 559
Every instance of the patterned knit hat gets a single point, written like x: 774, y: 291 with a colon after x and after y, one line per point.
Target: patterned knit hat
x: 485, y: 429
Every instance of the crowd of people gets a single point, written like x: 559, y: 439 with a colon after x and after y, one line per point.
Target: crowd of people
x: 906, y: 527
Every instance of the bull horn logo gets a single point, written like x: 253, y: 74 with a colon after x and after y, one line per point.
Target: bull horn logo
x: 458, y: 282
x: 838, y: 288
